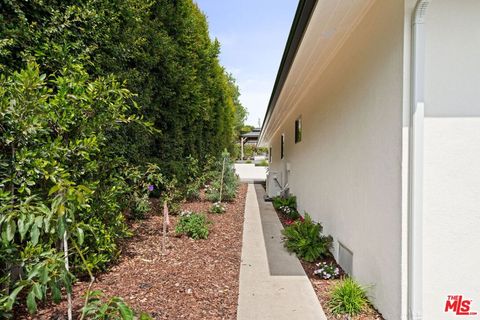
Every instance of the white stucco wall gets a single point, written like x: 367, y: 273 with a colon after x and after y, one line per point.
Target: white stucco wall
x: 452, y: 156
x: 346, y: 171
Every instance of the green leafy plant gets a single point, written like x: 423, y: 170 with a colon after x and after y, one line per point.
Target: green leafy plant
x: 305, y: 239
x: 228, y: 185
x: 60, y: 182
x: 287, y: 206
x: 348, y: 297
x: 173, y: 196
x: 262, y: 163
x: 290, y: 201
x: 217, y: 208
x: 290, y: 212
x: 193, y: 225
x: 193, y: 191
x: 112, y: 308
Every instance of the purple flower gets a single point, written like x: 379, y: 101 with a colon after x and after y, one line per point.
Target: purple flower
x: 150, y: 188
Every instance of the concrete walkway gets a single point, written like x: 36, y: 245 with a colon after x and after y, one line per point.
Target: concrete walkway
x: 273, y: 284
x: 248, y: 172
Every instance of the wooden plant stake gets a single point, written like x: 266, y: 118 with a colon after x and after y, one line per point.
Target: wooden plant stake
x: 67, y: 266
x: 221, y: 180
x: 166, y: 224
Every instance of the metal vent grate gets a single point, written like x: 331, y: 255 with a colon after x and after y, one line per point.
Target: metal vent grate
x: 421, y: 11
x: 345, y: 258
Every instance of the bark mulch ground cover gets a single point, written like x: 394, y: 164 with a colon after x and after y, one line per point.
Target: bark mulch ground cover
x: 195, y: 279
x: 323, y: 287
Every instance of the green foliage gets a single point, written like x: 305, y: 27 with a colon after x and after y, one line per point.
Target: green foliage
x: 229, y: 184
x: 161, y: 48
x: 348, y: 297
x: 173, y: 196
x: 193, y: 225
x: 249, y: 150
x: 289, y: 212
x: 137, y: 183
x: 287, y: 206
x: 99, y: 100
x: 305, y: 239
x: 59, y: 176
x: 113, y: 308
x: 262, y: 163
x: 289, y: 201
x: 217, y: 208
x: 193, y: 192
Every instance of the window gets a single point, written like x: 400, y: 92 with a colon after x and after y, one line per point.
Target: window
x: 298, y: 130
x: 270, y: 155
x: 282, y: 143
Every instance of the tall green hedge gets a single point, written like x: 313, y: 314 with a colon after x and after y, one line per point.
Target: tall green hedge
x: 99, y: 101
x: 161, y: 48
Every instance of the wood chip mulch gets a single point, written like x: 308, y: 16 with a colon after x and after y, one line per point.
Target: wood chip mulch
x: 323, y: 287
x: 195, y: 279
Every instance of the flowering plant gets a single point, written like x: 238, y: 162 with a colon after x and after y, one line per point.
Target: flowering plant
x: 185, y: 213
x: 217, y: 207
x: 289, y: 222
x: 290, y: 212
x: 327, y: 271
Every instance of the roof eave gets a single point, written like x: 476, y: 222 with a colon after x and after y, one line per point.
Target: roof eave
x: 299, y: 25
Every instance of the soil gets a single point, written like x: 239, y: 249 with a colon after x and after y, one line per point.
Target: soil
x: 323, y: 287
x: 194, y: 279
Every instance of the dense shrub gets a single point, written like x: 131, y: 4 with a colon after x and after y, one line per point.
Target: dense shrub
x: 130, y: 96
x: 193, y: 225
x: 348, y: 297
x: 59, y: 177
x: 305, y: 239
x: 193, y: 191
x: 161, y: 48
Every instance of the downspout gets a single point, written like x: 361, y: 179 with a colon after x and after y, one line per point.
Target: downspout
x: 417, y: 106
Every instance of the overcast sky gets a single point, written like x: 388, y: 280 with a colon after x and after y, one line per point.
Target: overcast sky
x: 253, y: 34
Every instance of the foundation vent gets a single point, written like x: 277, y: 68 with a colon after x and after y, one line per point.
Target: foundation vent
x: 421, y: 11
x: 345, y: 258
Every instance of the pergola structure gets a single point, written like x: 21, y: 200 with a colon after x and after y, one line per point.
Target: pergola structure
x: 249, y: 138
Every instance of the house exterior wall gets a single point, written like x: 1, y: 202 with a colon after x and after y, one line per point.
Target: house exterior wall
x: 346, y: 171
x: 451, y: 156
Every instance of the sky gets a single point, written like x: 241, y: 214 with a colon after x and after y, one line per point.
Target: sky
x: 252, y: 34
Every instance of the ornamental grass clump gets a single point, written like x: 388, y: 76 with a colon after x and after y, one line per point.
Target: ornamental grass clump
x: 305, y: 239
x: 348, y: 298
x: 193, y: 225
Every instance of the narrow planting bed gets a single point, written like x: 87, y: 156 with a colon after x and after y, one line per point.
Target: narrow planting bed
x: 195, y: 279
x: 324, y: 287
